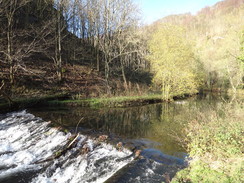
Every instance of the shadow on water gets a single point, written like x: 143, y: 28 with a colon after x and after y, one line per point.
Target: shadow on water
x: 151, y: 128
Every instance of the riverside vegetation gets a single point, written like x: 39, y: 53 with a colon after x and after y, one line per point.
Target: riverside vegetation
x: 91, y: 51
x: 215, y: 142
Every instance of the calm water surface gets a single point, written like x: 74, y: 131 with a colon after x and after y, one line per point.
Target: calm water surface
x: 147, y: 127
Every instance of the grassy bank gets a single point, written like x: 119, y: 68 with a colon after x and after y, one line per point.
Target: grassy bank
x: 215, y: 144
x: 122, y: 101
x: 65, y: 99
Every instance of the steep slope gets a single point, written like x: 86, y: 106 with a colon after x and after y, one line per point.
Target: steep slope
x: 216, y: 36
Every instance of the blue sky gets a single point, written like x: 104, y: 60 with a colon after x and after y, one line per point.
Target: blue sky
x: 153, y: 10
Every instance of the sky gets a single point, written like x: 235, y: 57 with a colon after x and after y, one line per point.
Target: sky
x: 153, y: 10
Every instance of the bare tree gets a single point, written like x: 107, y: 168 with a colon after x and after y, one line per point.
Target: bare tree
x: 104, y: 28
x: 21, y: 37
x: 118, y: 17
x: 8, y: 11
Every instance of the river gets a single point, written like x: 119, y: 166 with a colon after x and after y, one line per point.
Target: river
x: 31, y: 142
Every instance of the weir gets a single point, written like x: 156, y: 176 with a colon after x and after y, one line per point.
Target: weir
x: 32, y: 151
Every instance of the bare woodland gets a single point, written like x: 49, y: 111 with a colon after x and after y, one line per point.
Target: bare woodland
x: 61, y: 30
x: 76, y: 44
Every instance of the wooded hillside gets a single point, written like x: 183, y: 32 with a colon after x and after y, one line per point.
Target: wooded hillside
x: 98, y: 47
x: 70, y: 45
x: 216, y: 36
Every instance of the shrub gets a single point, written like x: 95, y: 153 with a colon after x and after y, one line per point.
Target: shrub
x: 215, y: 144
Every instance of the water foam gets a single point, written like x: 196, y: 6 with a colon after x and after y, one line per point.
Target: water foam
x: 26, y: 142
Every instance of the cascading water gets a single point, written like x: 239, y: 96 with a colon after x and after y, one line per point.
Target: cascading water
x: 26, y: 142
x: 31, y: 151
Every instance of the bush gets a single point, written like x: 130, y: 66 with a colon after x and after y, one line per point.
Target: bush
x: 215, y: 144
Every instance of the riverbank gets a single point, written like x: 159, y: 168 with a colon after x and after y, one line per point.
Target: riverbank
x: 65, y: 99
x: 120, y: 101
x: 24, y: 102
x: 214, y: 140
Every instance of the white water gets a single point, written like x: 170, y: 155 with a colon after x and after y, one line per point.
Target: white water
x: 26, y: 140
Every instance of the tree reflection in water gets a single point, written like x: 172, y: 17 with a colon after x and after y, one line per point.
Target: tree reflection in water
x: 154, y: 126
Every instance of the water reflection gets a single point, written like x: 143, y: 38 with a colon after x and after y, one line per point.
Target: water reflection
x: 151, y: 126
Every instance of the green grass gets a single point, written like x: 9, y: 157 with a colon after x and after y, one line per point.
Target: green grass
x: 112, y: 101
x: 54, y: 100
x: 215, y: 144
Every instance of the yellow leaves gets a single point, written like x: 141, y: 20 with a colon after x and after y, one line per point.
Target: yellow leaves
x: 172, y: 61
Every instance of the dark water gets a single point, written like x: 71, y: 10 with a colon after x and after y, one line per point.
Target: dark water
x: 155, y: 126
x: 28, y: 142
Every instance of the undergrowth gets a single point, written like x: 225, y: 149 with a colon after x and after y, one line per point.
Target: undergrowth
x: 215, y: 144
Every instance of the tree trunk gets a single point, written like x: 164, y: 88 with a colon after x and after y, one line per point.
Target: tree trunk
x: 59, y: 71
x: 97, y: 58
x: 59, y: 46
x: 107, y: 76
x: 9, y: 51
x: 123, y: 75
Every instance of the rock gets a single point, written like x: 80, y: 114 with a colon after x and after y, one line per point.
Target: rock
x: 85, y: 149
x: 102, y: 138
x: 119, y: 146
x: 137, y: 153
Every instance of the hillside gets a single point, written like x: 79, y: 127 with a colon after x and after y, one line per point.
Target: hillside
x: 216, y: 34
x: 51, y: 47
x: 55, y: 47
